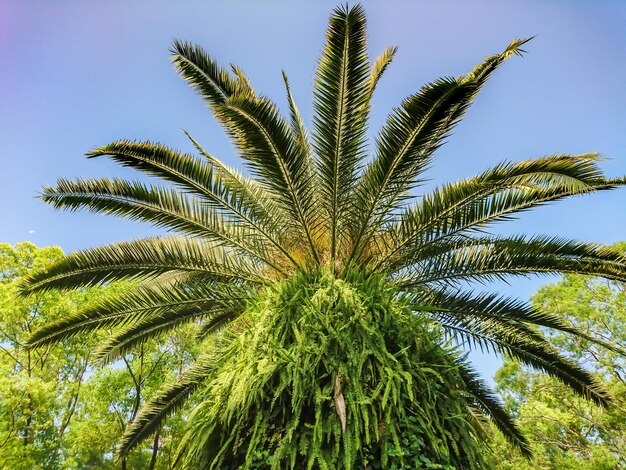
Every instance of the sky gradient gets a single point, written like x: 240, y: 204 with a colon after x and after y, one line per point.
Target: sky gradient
x: 75, y: 75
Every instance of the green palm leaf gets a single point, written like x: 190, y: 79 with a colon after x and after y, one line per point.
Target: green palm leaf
x: 498, y: 194
x: 188, y: 173
x: 248, y: 189
x: 214, y: 83
x: 490, y: 405
x: 379, y: 66
x: 410, y: 137
x: 147, y: 258
x: 499, y: 257
x: 530, y: 349
x: 260, y: 133
x: 340, y: 104
x: 165, y: 402
x: 492, y: 308
x: 152, y: 327
x: 159, y: 206
x: 146, y: 301
x: 265, y: 142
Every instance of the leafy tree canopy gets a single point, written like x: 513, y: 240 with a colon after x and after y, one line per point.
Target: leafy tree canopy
x: 39, y: 388
x: 564, y: 430
x: 56, y: 410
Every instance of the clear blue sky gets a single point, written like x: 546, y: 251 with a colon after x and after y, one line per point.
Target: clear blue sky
x: 74, y: 75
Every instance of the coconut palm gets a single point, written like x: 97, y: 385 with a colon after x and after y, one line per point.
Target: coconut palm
x: 333, y: 307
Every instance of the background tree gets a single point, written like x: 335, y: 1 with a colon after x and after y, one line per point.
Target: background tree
x: 39, y: 389
x: 112, y: 397
x: 56, y: 410
x: 565, y: 431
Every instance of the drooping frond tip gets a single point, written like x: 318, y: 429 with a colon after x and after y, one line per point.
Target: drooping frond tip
x: 380, y: 65
x: 214, y: 83
x: 492, y: 62
x: 515, y: 47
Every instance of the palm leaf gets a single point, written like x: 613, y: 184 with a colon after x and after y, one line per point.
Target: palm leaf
x: 272, y: 218
x: 530, y: 350
x: 165, y: 402
x: 214, y: 83
x: 250, y: 121
x: 500, y: 257
x: 255, y: 195
x: 301, y: 135
x: 492, y: 196
x: 490, y: 405
x: 151, y: 327
x: 161, y: 207
x: 187, y: 172
x: 143, y: 302
x: 341, y: 96
x: 411, y: 135
x: 265, y: 141
x: 378, y: 68
x: 146, y: 258
x: 468, y: 309
x: 405, y: 145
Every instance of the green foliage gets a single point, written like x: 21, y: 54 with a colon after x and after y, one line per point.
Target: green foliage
x: 325, y: 298
x: 111, y: 398
x: 38, y: 389
x: 56, y: 411
x: 565, y: 431
x: 269, y: 393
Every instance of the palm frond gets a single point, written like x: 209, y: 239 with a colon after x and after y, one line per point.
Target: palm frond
x: 298, y: 128
x: 154, y: 326
x: 404, y: 147
x: 492, y: 258
x: 272, y: 218
x: 222, y: 190
x: 499, y: 257
x: 144, y: 301
x: 411, y: 135
x: 302, y: 142
x: 146, y: 258
x: 341, y: 96
x: 255, y: 195
x: 467, y: 319
x: 380, y: 65
x: 265, y: 141
x: 161, y: 207
x: 530, y: 350
x: 490, y: 405
x: 244, y: 85
x: 546, y: 359
x: 215, y: 323
x: 498, y: 194
x: 214, y: 83
x: 252, y: 121
x: 186, y: 171
x: 467, y: 308
x: 481, y: 72
x: 165, y: 402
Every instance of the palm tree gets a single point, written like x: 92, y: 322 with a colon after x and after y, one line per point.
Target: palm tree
x: 333, y: 307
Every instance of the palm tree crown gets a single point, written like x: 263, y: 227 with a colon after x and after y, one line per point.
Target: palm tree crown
x: 323, y: 241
